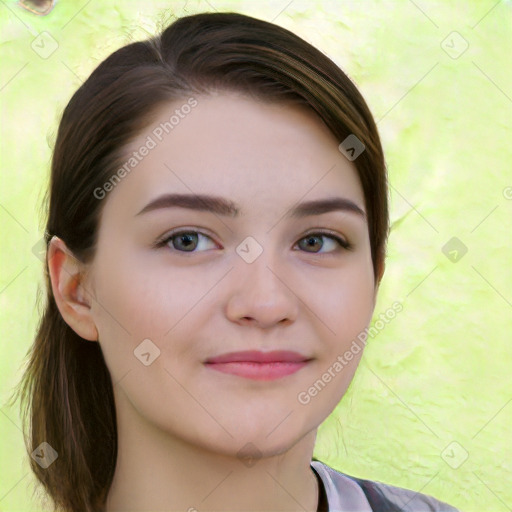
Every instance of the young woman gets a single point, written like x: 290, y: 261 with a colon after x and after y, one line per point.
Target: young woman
x: 216, y: 238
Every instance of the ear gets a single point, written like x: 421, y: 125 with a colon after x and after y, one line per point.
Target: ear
x: 67, y: 276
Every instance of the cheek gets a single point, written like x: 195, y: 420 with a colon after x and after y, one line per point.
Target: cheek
x: 125, y: 310
x: 356, y: 304
x: 137, y: 301
x: 343, y: 302
x: 130, y: 292
x: 344, y: 312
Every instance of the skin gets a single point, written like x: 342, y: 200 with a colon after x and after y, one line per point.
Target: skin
x: 181, y: 425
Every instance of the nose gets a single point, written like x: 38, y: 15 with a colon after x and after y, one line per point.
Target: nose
x: 261, y: 293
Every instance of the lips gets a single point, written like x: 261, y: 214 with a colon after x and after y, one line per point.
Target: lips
x: 255, y: 356
x: 256, y: 365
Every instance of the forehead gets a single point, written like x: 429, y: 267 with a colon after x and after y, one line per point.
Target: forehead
x: 255, y: 152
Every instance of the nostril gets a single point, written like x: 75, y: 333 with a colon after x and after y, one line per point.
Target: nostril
x: 40, y: 7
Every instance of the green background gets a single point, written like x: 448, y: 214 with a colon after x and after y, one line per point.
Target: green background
x: 434, y: 385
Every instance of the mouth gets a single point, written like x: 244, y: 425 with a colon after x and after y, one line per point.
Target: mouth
x: 256, y: 365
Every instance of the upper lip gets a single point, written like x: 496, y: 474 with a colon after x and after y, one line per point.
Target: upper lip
x: 257, y: 356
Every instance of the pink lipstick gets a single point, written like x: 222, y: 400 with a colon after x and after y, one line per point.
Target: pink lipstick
x: 256, y: 365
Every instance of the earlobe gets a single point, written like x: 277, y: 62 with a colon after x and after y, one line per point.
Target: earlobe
x: 67, y: 275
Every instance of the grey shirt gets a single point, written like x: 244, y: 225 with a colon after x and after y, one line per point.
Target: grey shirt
x: 344, y: 493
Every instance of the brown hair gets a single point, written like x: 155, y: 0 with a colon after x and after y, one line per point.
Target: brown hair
x: 66, y: 390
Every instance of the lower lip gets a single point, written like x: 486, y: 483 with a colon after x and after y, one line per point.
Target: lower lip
x: 258, y: 371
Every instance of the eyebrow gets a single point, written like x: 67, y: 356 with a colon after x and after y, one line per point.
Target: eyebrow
x: 226, y: 207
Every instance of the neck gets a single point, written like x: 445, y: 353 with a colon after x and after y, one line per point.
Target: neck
x: 156, y: 470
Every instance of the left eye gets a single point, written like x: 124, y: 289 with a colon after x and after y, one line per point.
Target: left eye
x: 310, y: 241
x: 188, y: 241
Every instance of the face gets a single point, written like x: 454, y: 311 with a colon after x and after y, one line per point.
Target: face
x: 263, y: 279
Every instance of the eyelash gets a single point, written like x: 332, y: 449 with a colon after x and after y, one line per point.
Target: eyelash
x: 163, y: 242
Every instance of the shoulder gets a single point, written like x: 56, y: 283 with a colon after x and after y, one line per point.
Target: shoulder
x: 399, y: 499
x: 369, y: 495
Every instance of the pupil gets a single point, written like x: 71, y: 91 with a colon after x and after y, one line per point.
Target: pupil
x: 312, y: 240
x: 188, y: 240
